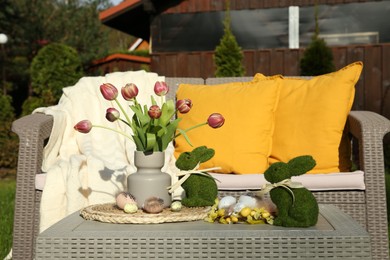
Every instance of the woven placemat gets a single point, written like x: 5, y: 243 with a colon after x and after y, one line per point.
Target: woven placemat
x: 110, y: 213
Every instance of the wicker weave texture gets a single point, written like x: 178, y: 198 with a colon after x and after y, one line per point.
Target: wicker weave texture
x: 337, y: 237
x: 32, y: 131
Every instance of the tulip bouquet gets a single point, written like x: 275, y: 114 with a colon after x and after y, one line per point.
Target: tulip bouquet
x: 152, y: 128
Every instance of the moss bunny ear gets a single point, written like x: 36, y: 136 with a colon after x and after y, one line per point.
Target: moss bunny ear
x: 203, y: 154
x: 301, y: 164
x: 276, y: 172
x: 186, y: 161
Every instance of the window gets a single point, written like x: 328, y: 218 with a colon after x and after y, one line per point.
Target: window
x: 355, y: 23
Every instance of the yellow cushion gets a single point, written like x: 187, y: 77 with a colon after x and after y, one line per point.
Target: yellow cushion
x: 242, y: 145
x: 311, y: 116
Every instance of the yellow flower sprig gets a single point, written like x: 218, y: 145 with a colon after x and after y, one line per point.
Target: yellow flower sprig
x: 246, y: 215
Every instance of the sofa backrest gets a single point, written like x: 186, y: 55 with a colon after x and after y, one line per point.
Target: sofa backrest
x: 174, y: 82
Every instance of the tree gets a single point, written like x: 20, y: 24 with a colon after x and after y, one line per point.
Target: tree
x: 228, y: 55
x: 317, y: 58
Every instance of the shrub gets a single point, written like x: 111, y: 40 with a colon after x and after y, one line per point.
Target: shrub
x: 32, y: 103
x: 317, y: 58
x: 228, y: 54
x: 54, y: 67
x: 8, y: 140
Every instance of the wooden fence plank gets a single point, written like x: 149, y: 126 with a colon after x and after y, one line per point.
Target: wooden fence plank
x: 385, y: 109
x: 357, y: 54
x: 373, y: 79
x: 249, y: 58
x: 264, y: 62
x: 194, y: 64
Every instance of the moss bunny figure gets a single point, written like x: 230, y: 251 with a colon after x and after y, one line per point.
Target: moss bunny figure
x: 297, y: 206
x: 200, y: 190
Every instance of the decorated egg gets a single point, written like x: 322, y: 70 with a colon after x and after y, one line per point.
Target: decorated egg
x: 124, y: 198
x: 153, y: 205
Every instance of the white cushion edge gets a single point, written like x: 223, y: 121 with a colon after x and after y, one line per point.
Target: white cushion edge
x: 314, y: 182
x: 40, y: 180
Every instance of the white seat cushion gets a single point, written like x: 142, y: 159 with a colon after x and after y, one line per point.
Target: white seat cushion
x: 314, y: 182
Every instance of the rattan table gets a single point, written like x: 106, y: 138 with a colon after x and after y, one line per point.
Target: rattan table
x: 336, y: 236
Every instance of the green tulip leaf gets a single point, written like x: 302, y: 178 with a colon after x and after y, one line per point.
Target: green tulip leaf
x: 143, y: 119
x: 167, y: 112
x: 184, y: 134
x: 170, y: 133
x: 150, y: 141
x: 138, y: 143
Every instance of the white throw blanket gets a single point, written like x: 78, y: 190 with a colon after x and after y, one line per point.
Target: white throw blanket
x: 86, y: 169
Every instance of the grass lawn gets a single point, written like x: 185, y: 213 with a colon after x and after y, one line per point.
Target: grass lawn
x: 7, y: 197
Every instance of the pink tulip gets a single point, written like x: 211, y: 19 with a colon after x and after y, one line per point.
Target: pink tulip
x: 184, y: 105
x: 129, y: 91
x: 83, y: 126
x: 112, y: 114
x: 215, y: 120
x: 161, y: 88
x: 154, y: 112
x: 109, y: 91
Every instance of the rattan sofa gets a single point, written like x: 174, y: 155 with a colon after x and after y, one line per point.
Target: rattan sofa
x: 367, y: 207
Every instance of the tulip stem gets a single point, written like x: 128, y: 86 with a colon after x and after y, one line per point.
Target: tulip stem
x: 123, y: 111
x: 190, y: 128
x: 115, y: 130
x: 124, y: 121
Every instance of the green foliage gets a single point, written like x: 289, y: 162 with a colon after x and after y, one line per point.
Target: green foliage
x: 32, y: 103
x: 54, y: 67
x: 317, y: 58
x: 7, y: 198
x: 73, y: 22
x: 6, y: 112
x: 8, y: 140
x: 228, y: 54
x: 30, y: 25
x: 386, y: 148
x: 145, y: 67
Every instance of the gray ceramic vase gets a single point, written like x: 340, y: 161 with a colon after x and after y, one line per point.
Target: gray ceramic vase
x: 149, y: 181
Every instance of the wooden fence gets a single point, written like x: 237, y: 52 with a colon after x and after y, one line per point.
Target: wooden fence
x: 372, y: 90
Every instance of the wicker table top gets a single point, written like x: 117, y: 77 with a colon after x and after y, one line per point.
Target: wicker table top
x: 336, y: 236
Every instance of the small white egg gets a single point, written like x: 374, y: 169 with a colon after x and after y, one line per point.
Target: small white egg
x: 176, y: 206
x: 248, y: 201
x: 238, y: 207
x: 130, y: 208
x: 226, y: 202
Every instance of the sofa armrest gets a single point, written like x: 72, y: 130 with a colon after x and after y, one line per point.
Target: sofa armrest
x: 369, y: 129
x: 32, y: 130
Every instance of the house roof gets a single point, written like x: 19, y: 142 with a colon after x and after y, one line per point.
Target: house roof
x: 129, y: 17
